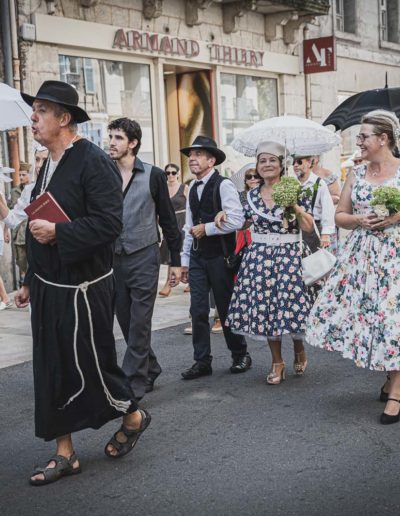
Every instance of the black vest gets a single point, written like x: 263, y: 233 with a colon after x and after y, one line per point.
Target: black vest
x: 203, y: 211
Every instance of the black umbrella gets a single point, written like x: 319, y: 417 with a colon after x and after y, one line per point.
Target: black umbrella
x: 352, y: 109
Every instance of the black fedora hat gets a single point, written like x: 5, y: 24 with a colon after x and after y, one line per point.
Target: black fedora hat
x: 208, y: 144
x: 60, y: 93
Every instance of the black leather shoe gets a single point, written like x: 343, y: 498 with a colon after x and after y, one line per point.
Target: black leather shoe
x: 387, y: 419
x: 241, y: 365
x: 198, y: 369
x: 150, y: 382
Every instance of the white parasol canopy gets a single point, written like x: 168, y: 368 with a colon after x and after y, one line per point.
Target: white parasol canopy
x: 299, y: 135
x: 14, y: 112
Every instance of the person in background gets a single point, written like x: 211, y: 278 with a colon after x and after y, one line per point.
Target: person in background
x: 251, y: 180
x: 322, y: 206
x: 177, y: 193
x: 331, y: 179
x: 18, y: 233
x: 357, y: 313
x: 5, y: 301
x: 40, y: 156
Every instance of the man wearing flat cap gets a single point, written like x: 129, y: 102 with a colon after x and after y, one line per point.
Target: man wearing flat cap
x: 69, y: 283
x: 204, y: 250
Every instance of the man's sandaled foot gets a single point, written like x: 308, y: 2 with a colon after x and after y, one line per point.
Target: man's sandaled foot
x: 56, y: 468
x: 125, y: 439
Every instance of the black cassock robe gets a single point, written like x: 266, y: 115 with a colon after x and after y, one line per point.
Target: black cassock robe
x: 87, y: 185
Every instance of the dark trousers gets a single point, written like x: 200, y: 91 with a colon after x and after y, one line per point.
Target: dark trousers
x: 206, y: 274
x: 136, y: 278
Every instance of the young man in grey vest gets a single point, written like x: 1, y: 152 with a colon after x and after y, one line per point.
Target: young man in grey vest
x: 203, y: 254
x: 137, y: 256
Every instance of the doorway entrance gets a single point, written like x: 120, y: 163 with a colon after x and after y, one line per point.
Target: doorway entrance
x: 188, y: 94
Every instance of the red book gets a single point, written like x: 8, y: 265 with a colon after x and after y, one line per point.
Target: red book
x: 45, y: 207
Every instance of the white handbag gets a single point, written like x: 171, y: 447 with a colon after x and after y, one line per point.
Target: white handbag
x: 317, y: 265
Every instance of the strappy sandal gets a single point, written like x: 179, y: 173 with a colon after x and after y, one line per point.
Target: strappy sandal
x: 132, y: 437
x: 64, y: 467
x: 299, y: 365
x: 277, y: 373
x: 387, y: 419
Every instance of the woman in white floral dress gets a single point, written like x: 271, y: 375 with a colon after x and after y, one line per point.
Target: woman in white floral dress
x: 358, y: 311
x: 270, y: 298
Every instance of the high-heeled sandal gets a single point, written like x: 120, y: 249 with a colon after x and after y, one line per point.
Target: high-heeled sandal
x: 298, y: 365
x: 387, y: 419
x: 275, y: 377
x: 384, y: 395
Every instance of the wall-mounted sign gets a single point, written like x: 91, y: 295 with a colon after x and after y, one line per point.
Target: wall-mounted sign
x: 144, y: 41
x: 161, y: 44
x: 319, y: 55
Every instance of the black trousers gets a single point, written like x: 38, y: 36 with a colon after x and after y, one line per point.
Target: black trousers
x: 206, y: 274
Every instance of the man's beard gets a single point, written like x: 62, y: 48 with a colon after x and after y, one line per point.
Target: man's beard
x: 122, y: 155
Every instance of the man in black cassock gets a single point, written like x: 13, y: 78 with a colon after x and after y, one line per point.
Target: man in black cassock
x: 78, y: 383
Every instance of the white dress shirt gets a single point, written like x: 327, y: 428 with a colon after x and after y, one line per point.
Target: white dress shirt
x: 324, y: 209
x: 231, y: 205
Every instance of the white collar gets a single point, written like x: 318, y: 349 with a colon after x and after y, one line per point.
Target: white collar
x: 312, y: 179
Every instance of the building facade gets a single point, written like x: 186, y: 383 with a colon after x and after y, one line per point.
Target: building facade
x: 214, y: 67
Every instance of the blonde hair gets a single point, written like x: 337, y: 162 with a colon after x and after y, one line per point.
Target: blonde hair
x: 384, y: 122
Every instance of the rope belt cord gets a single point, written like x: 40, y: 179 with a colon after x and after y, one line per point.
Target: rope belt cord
x: 121, y: 406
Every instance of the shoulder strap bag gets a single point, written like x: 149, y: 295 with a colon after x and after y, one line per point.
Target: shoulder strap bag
x: 317, y: 265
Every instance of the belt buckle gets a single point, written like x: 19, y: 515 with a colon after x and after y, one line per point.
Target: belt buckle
x: 275, y: 239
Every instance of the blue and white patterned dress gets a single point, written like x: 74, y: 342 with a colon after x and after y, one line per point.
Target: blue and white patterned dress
x: 270, y: 298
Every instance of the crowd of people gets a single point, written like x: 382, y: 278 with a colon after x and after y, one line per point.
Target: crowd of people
x: 106, y: 259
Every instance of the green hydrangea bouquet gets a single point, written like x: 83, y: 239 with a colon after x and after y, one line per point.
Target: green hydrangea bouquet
x: 286, y: 194
x: 386, y: 201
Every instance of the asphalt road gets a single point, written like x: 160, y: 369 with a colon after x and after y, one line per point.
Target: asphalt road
x: 221, y: 445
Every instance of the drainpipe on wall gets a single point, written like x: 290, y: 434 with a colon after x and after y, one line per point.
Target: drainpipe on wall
x: 307, y: 87
x: 10, y: 147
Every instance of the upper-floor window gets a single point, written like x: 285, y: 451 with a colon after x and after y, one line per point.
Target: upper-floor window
x: 346, y: 16
x: 389, y: 20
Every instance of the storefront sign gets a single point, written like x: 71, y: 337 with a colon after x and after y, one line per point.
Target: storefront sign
x: 148, y: 42
x: 144, y: 41
x: 319, y: 55
x: 237, y: 56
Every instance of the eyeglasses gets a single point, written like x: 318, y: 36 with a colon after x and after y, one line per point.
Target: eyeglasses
x: 171, y: 172
x: 252, y: 176
x: 298, y: 162
x: 362, y: 137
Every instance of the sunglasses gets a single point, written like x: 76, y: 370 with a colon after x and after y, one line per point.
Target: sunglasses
x: 174, y: 173
x: 298, y: 162
x: 252, y: 176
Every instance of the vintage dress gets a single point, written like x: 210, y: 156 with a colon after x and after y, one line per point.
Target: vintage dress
x: 357, y: 312
x: 87, y: 185
x: 270, y: 298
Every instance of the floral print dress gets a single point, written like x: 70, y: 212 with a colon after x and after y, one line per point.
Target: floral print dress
x: 358, y: 311
x: 270, y: 298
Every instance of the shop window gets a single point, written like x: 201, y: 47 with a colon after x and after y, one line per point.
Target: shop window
x: 109, y: 90
x: 389, y: 20
x: 346, y: 20
x: 244, y: 101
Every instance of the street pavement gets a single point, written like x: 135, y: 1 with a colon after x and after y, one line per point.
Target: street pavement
x: 220, y: 445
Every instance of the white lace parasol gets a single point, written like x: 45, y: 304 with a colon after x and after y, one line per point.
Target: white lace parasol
x: 299, y: 135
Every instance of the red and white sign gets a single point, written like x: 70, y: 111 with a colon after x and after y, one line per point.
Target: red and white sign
x: 319, y: 55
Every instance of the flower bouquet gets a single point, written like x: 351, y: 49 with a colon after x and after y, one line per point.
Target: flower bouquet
x: 286, y: 194
x: 386, y: 201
